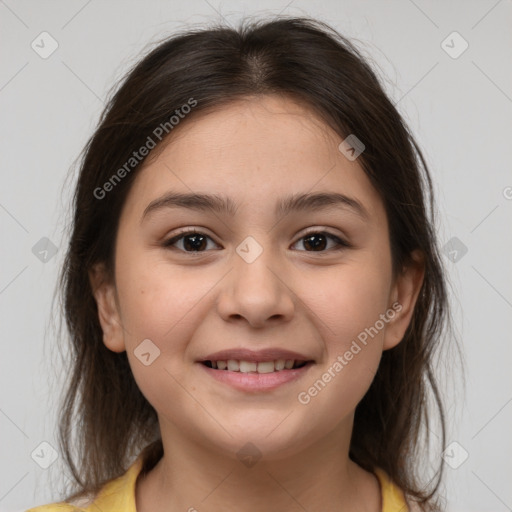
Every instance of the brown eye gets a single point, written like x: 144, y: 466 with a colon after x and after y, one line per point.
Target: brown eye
x: 317, y: 241
x: 193, y: 241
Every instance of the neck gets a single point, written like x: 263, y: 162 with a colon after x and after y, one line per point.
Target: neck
x: 194, y: 477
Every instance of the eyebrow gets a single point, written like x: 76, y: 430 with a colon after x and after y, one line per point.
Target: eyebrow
x: 222, y: 204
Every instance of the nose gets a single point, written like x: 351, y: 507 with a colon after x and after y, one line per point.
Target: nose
x: 256, y: 292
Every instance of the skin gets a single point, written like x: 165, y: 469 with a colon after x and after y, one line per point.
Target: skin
x: 255, y: 151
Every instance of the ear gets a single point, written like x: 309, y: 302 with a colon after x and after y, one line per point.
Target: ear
x: 104, y: 292
x: 403, y: 298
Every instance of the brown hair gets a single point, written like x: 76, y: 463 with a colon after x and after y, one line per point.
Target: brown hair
x: 309, y: 61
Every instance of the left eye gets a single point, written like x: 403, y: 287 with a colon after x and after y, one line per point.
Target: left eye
x: 318, y: 240
x: 194, y: 241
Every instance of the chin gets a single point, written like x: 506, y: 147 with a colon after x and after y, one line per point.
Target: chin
x: 269, y: 438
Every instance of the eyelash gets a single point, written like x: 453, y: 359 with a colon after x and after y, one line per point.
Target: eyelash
x: 342, y: 244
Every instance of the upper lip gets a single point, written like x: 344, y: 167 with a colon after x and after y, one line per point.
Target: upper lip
x: 242, y: 354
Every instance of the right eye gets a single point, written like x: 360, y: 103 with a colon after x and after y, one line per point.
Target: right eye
x: 192, y: 241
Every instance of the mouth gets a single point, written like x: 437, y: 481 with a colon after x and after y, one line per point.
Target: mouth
x: 243, y: 366
x: 256, y: 371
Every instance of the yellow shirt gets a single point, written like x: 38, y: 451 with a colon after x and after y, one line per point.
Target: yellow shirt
x: 119, y: 495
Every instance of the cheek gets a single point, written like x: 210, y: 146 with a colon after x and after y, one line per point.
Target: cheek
x: 348, y: 311
x: 160, y: 302
x: 348, y: 301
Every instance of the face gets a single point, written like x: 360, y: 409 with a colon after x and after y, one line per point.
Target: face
x: 265, y: 280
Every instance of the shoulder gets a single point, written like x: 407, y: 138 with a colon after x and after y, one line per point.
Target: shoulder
x: 56, y: 507
x: 393, y: 498
x: 117, y: 494
x: 74, y: 505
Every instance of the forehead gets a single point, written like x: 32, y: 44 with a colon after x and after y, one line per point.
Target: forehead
x: 255, y: 150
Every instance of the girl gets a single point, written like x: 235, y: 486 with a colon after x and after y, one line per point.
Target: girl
x: 253, y: 286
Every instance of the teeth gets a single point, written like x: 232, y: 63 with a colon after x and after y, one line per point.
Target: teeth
x: 266, y: 367
x: 234, y: 365
x: 279, y: 364
x: 246, y: 366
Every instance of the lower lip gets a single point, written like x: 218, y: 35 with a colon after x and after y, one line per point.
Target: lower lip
x: 257, y: 381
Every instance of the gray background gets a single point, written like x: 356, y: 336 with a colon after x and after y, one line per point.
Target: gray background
x: 459, y: 109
